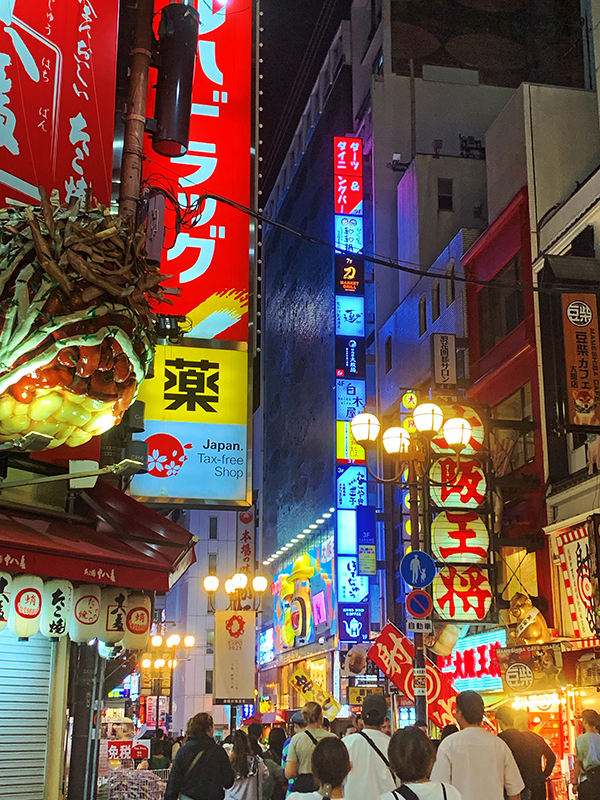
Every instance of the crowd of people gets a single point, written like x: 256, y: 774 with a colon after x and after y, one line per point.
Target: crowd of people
x: 468, y: 762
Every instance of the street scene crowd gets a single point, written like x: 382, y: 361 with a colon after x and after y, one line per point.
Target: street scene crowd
x: 368, y: 761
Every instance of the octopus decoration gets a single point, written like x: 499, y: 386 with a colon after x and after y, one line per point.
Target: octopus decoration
x: 75, y: 293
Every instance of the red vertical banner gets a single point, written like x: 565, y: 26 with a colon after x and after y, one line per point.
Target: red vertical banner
x: 57, y: 97
x: 210, y: 261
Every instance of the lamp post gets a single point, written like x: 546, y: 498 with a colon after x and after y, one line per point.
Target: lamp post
x: 414, y: 454
x: 238, y: 591
x: 161, y: 659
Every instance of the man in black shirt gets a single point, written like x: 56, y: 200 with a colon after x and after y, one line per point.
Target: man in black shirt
x: 528, y: 749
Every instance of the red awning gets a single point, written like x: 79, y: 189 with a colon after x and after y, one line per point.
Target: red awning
x: 125, y: 544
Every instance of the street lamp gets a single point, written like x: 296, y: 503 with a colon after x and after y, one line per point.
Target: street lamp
x: 414, y: 454
x: 242, y: 597
x: 163, y: 657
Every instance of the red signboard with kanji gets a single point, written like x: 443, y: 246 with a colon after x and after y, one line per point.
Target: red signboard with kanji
x: 393, y: 653
x: 57, y: 98
x: 210, y: 262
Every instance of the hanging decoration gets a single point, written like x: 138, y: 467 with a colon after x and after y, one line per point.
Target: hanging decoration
x: 85, y: 622
x: 25, y: 606
x: 113, y: 614
x: 57, y: 607
x: 462, y: 594
x: 460, y: 537
x: 5, y: 589
x: 137, y: 622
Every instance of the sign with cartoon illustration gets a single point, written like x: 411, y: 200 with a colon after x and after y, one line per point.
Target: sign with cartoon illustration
x: 531, y: 669
x: 582, y: 360
x: 196, y: 416
x: 304, y: 599
x: 354, y: 622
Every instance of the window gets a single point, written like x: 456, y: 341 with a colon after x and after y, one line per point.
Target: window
x: 511, y: 448
x: 450, y: 284
x: 210, y: 641
x: 388, y: 354
x: 435, y: 301
x: 208, y: 682
x: 445, y: 194
x: 213, y: 527
x: 422, y: 315
x: 500, y: 309
x: 212, y: 563
x: 377, y: 66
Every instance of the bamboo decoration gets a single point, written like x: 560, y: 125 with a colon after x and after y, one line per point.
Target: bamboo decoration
x: 75, y: 319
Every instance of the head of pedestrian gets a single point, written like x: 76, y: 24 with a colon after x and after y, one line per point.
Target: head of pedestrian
x: 521, y: 720
x: 505, y: 717
x: 298, y: 722
x: 374, y: 710
x: 422, y: 724
x: 350, y: 728
x: 200, y: 725
x: 241, y: 754
x: 326, y: 724
x: 330, y: 766
x: 312, y: 713
x: 387, y: 726
x: 590, y: 721
x: 411, y: 755
x: 469, y: 709
x: 448, y: 730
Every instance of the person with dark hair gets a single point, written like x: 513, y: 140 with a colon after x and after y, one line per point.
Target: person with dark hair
x: 387, y: 726
x: 412, y: 755
x: 326, y: 724
x: 330, y: 764
x: 528, y: 749
x: 250, y: 770
x: 277, y: 739
x: 255, y: 734
x: 201, y: 769
x: 350, y: 728
x: 477, y: 763
x: 422, y: 725
x: 368, y: 751
x: 275, y: 787
x: 448, y: 730
x: 159, y: 758
x: 587, y: 757
x: 302, y: 746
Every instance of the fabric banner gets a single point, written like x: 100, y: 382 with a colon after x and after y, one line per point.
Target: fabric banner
x: 574, y: 551
x: 312, y: 692
x: 235, y: 645
x: 393, y: 653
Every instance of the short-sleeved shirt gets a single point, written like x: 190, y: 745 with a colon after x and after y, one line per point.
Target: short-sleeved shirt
x: 370, y: 776
x: 428, y: 791
x: 587, y: 750
x: 302, y: 747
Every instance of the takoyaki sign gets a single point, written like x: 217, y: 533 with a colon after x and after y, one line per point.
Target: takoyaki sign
x: 196, y: 426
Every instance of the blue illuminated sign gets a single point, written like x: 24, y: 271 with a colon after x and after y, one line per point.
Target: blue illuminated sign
x: 353, y: 622
x: 351, y: 398
x: 352, y: 587
x: 266, y: 646
x: 349, y: 316
x: 346, y: 532
x: 349, y: 233
x: 351, y: 486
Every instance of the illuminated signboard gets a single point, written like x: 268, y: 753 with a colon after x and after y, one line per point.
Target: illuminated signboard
x: 196, y: 417
x: 57, y: 98
x: 350, y: 316
x: 266, y: 646
x: 351, y: 486
x: 354, y: 622
x: 352, y: 587
x: 349, y: 274
x: 349, y: 233
x: 462, y: 486
x: 473, y: 663
x: 347, y: 448
x: 209, y: 262
x: 462, y: 593
x: 350, y: 358
x: 460, y: 537
x: 351, y: 398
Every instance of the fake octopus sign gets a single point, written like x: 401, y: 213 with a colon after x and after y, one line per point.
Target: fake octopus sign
x: 393, y: 653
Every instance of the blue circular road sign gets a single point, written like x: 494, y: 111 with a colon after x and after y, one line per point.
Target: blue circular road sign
x: 419, y: 604
x: 418, y: 569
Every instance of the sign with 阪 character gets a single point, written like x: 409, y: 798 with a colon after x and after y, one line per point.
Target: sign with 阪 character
x: 582, y: 359
x: 196, y: 415
x: 312, y: 692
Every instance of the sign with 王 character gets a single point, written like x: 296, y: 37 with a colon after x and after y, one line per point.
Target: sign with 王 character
x: 196, y: 418
x: 581, y: 336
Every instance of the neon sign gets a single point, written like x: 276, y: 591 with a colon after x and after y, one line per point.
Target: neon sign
x: 473, y: 664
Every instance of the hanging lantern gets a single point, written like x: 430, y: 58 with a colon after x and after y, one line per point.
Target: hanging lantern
x: 25, y: 606
x: 460, y: 537
x: 57, y: 606
x: 463, y: 485
x: 85, y: 622
x: 137, y: 622
x: 113, y: 615
x: 462, y: 594
x: 5, y: 589
x: 439, y: 443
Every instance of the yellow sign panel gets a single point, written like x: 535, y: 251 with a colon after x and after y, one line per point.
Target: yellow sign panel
x: 347, y: 447
x: 303, y: 683
x: 357, y: 694
x: 197, y: 384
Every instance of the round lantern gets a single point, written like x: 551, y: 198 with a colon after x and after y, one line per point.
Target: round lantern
x: 85, y: 622
x: 113, y: 615
x: 460, y: 537
x: 137, y: 622
x: 439, y: 443
x: 57, y: 606
x: 25, y: 606
x: 5, y: 584
x: 462, y: 486
x: 462, y: 594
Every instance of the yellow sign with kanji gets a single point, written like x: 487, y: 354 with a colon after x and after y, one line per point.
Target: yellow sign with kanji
x: 357, y: 694
x: 347, y: 448
x: 312, y: 693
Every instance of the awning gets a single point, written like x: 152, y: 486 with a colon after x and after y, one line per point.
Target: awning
x: 125, y: 544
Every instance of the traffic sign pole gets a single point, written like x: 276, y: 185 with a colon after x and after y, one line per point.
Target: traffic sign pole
x: 415, y: 543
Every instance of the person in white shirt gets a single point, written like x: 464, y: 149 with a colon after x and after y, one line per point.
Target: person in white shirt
x: 477, y: 763
x: 371, y: 775
x: 412, y: 755
x: 330, y: 765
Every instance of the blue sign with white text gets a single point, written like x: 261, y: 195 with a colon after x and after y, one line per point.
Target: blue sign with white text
x: 418, y: 569
x: 353, y: 622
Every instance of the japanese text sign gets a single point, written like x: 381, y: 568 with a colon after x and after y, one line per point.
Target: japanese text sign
x: 312, y: 692
x: 366, y: 540
x: 210, y: 262
x: 393, y: 653
x: 234, y: 651
x: 574, y: 552
x: 460, y: 537
x: 582, y: 359
x: 473, y: 663
x: 462, y: 485
x: 349, y: 274
x: 462, y: 593
x: 444, y: 359
x: 531, y: 669
x: 57, y: 98
x: 246, y: 542
x: 196, y: 413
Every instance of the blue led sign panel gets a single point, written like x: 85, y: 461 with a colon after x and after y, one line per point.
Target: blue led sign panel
x: 349, y: 316
x: 349, y: 232
x: 351, y: 398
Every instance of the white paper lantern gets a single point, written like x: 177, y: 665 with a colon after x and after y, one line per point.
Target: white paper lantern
x: 462, y: 487
x: 85, y: 622
x: 460, y: 537
x: 462, y: 594
x: 57, y: 606
x: 25, y: 606
x: 113, y: 615
x: 5, y: 590
x: 137, y: 622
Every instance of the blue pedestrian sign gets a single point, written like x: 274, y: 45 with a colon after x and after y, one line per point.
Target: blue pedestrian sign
x: 418, y: 569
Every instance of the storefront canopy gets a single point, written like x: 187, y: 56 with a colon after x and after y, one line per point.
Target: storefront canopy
x: 124, y: 544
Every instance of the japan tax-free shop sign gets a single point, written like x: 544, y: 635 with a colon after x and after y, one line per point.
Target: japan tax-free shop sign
x: 196, y: 426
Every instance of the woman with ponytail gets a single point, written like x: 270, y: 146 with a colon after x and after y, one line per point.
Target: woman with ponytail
x: 330, y: 767
x: 587, y: 762
x: 250, y: 770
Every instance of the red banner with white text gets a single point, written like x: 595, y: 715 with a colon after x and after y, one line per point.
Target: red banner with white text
x: 393, y: 653
x: 58, y: 61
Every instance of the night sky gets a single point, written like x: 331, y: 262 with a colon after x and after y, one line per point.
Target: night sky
x: 293, y: 30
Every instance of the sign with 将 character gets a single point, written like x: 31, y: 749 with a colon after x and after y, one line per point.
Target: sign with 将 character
x: 581, y: 336
x: 196, y: 426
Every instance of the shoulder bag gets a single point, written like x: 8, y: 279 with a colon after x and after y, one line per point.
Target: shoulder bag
x: 408, y: 794
x: 377, y: 750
